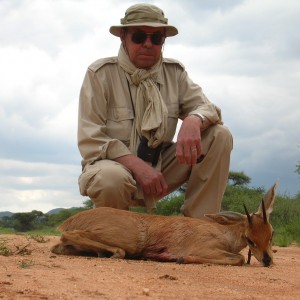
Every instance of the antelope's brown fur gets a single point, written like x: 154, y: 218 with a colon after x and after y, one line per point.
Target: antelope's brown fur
x: 124, y: 234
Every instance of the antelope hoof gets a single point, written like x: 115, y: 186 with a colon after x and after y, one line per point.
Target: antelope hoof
x: 119, y: 254
x: 180, y: 260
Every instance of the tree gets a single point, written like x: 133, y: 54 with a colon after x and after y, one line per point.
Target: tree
x: 27, y: 221
x: 88, y: 204
x: 298, y: 167
x: 6, y: 222
x: 55, y: 219
x: 238, y: 179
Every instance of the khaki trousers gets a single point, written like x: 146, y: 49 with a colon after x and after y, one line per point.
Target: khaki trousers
x: 109, y: 183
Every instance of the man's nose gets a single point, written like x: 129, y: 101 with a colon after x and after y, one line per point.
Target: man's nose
x: 148, y: 42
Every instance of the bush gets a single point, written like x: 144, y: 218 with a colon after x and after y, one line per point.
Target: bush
x: 170, y: 206
x: 286, y: 220
x: 236, y: 196
x: 56, y: 219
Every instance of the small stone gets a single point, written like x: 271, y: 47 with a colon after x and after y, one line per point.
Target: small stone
x: 146, y: 291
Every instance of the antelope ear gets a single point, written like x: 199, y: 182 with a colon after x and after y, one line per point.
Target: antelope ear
x: 226, y: 217
x: 268, y: 199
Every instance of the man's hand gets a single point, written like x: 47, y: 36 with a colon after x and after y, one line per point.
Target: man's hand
x: 151, y: 180
x: 189, y: 147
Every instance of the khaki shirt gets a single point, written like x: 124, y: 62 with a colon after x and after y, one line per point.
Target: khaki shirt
x: 106, y: 107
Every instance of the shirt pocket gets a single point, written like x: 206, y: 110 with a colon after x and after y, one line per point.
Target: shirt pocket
x: 119, y: 123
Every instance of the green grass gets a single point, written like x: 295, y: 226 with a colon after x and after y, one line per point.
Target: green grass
x: 4, y: 249
x: 44, y: 231
x: 283, y: 238
x: 6, y: 230
x: 41, y: 231
x: 26, y: 264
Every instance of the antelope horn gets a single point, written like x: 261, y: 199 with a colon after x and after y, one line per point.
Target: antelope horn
x: 264, y: 211
x: 249, y: 257
x: 248, y: 215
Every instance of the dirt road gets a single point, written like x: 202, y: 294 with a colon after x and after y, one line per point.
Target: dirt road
x: 33, y: 272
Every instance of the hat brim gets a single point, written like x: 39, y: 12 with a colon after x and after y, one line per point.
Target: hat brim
x: 170, y: 30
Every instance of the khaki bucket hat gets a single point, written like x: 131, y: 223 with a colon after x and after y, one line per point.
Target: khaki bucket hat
x: 144, y: 15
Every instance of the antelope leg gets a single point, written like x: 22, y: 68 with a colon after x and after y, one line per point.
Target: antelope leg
x: 84, y: 241
x: 219, y: 258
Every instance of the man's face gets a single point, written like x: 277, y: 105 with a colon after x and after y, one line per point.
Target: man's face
x: 143, y: 45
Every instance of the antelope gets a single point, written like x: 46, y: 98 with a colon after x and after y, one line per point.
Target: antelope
x: 109, y: 232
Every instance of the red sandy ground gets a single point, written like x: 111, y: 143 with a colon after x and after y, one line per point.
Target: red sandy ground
x: 42, y: 275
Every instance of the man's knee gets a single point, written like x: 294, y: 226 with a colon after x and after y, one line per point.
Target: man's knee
x: 223, y: 135
x: 107, y: 182
x: 113, y: 175
x: 220, y: 136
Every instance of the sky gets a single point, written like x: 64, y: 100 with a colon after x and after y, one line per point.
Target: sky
x: 244, y: 54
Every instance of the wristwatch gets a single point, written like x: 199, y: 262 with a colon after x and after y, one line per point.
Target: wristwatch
x: 203, y: 118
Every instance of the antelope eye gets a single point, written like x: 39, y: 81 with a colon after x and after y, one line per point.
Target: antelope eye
x: 250, y: 242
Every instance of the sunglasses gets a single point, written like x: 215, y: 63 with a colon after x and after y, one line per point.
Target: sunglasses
x: 140, y: 37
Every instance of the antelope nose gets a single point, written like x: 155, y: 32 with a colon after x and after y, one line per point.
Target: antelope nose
x: 267, y: 260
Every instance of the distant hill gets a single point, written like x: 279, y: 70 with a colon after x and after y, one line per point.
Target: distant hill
x: 57, y: 210
x: 50, y: 212
x: 5, y: 214
x: 54, y: 211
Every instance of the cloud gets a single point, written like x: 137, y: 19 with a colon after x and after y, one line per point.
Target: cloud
x: 244, y: 54
x: 245, y: 57
x: 42, y: 186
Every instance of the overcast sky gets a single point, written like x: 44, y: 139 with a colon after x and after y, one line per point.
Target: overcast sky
x: 244, y: 54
